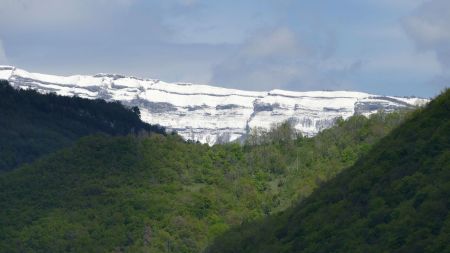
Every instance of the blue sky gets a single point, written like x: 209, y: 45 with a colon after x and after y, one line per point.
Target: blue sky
x: 391, y: 47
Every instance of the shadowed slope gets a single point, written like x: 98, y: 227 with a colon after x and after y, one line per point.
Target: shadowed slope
x: 32, y: 124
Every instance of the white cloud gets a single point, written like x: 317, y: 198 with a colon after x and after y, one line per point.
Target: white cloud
x: 280, y: 42
x: 428, y: 35
x: 45, y: 12
x: 404, y: 61
x: 51, y: 14
x: 429, y: 27
x: 279, y: 58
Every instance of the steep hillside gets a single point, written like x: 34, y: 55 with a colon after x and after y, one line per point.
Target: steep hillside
x: 395, y: 199
x: 212, y: 114
x: 32, y: 124
x: 158, y: 193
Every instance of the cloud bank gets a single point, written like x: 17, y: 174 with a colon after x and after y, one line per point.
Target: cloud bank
x: 280, y: 58
x: 429, y: 27
x: 254, y: 44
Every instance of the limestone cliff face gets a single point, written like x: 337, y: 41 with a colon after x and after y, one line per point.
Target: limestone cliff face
x: 210, y: 114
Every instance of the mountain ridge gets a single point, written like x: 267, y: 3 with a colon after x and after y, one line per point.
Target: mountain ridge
x: 212, y: 114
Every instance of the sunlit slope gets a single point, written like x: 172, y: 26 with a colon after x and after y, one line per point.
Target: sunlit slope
x: 142, y: 193
x: 394, y: 199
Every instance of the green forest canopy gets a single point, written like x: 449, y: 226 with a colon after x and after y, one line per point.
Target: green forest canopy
x: 33, y: 124
x: 396, y: 198
x: 158, y: 193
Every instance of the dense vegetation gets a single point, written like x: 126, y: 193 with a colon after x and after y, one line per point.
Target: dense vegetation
x: 32, y: 124
x: 158, y: 193
x: 396, y: 198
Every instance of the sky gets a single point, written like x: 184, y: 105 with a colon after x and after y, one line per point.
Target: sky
x: 387, y: 47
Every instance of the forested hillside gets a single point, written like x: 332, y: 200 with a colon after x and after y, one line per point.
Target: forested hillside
x: 155, y: 193
x: 396, y: 198
x: 32, y: 124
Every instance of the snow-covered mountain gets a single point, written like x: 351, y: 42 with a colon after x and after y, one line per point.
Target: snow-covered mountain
x: 212, y: 114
